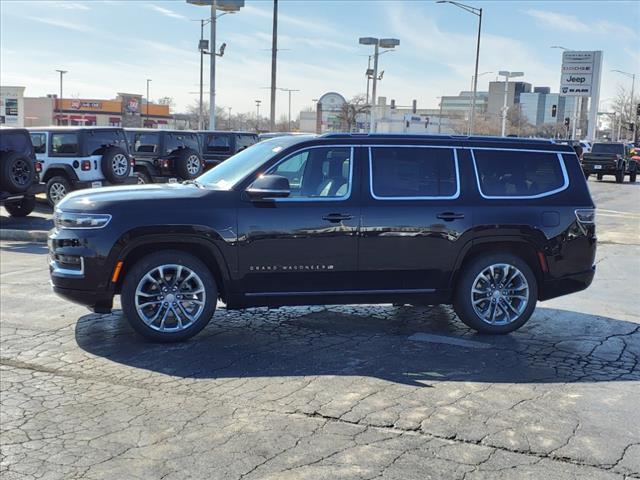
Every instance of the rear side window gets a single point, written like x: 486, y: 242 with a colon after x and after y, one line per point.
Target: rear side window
x: 244, y: 141
x: 64, y: 143
x: 100, y: 139
x: 413, y: 172
x: 146, y: 142
x: 519, y: 174
x: 15, y: 142
x: 174, y: 141
x: 218, y: 144
x: 39, y: 141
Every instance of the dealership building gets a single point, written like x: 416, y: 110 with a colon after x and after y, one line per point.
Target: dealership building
x: 125, y: 110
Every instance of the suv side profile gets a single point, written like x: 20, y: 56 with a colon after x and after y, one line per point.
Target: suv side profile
x: 18, y: 172
x: 161, y: 155
x: 217, y: 146
x: 490, y: 225
x: 73, y: 158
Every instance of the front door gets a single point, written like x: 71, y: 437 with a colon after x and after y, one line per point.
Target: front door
x: 305, y: 244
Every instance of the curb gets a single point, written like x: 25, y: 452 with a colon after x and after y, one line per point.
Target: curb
x: 39, y: 236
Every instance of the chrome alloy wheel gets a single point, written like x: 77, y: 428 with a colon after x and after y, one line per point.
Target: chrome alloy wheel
x: 57, y: 191
x: 500, y: 294
x: 120, y: 164
x: 193, y: 164
x: 170, y: 298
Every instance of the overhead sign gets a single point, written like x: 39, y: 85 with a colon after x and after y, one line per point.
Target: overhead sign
x: 573, y: 91
x: 577, y: 57
x: 575, y: 79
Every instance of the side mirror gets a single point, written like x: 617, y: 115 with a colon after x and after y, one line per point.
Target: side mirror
x: 269, y: 186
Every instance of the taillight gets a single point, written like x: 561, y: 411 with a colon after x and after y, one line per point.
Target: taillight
x: 86, y: 165
x: 586, y: 215
x: 132, y: 161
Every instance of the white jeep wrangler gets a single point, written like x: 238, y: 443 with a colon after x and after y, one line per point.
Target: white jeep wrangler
x: 73, y: 158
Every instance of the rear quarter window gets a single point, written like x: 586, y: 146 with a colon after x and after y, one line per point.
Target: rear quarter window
x: 15, y: 142
x: 39, y: 141
x: 97, y: 140
x: 519, y: 174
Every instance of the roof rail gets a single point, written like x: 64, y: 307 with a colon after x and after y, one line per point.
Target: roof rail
x: 476, y: 138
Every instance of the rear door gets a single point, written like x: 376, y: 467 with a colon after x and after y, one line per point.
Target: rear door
x: 217, y: 147
x: 413, y: 215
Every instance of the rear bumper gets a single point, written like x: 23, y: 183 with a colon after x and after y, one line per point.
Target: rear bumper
x: 566, y: 285
x: 605, y: 168
x: 131, y: 180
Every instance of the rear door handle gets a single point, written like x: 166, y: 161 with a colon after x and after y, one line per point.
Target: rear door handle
x: 337, y: 217
x: 448, y: 216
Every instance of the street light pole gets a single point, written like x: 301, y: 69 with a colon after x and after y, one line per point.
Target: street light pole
x: 148, y: 81
x: 258, y: 102
x: 507, y: 75
x: 229, y: 123
x: 477, y: 12
x: 61, y: 72
x: 274, y: 63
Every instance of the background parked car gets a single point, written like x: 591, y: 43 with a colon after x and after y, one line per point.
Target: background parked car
x: 19, y: 180
x: 81, y: 157
x: 164, y: 154
x: 218, y: 146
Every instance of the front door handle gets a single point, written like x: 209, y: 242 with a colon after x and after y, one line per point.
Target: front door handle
x: 448, y: 216
x: 337, y: 217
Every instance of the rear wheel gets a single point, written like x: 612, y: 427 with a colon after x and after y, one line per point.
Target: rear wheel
x: 599, y: 176
x: 21, y: 208
x: 496, y: 293
x: 633, y: 176
x: 56, y: 189
x: 169, y: 296
x: 143, y: 178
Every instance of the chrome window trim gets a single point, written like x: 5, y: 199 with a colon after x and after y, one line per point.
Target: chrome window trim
x: 341, y: 292
x: 521, y: 197
x: 447, y: 197
x: 347, y: 196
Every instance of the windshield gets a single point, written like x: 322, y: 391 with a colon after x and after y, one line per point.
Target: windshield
x: 608, y: 148
x: 226, y: 175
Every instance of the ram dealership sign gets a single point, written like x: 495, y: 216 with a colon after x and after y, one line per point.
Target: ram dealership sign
x: 580, y: 77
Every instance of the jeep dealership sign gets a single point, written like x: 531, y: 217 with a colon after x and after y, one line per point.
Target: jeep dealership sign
x: 580, y: 77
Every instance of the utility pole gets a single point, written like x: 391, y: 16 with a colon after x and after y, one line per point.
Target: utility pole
x: 229, y: 122
x: 148, y: 81
x: 61, y: 72
x: 258, y: 102
x: 202, y: 49
x: 212, y: 70
x: 274, y: 53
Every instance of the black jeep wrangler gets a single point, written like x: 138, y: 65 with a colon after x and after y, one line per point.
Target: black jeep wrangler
x: 19, y: 181
x: 490, y: 225
x: 217, y: 146
x: 162, y: 155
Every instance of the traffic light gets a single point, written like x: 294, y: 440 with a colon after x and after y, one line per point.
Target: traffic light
x: 567, y: 121
x: 554, y: 110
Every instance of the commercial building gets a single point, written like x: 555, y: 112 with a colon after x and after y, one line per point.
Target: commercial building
x: 537, y: 107
x: 496, y: 96
x: 126, y: 110
x: 461, y: 103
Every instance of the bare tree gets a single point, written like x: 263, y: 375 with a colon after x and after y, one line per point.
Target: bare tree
x: 350, y: 111
x: 625, y: 114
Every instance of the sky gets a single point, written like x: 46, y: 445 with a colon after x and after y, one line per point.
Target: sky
x: 112, y: 46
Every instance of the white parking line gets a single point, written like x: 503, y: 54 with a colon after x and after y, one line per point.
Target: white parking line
x: 458, y: 342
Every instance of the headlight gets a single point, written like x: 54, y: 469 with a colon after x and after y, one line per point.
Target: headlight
x: 80, y: 220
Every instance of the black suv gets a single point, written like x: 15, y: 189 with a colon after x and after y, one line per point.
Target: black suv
x: 217, y: 146
x: 164, y: 154
x: 490, y: 225
x: 19, y: 181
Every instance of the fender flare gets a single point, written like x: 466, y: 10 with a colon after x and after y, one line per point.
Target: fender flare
x: 53, y: 168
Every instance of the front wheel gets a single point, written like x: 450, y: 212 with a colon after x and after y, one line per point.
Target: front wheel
x: 56, y: 189
x: 22, y: 207
x: 496, y: 293
x: 620, y: 176
x: 169, y: 296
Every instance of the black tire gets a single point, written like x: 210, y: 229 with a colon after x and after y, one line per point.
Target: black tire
x: 16, y: 172
x: 21, y: 208
x: 188, y: 164
x: 599, y: 176
x: 586, y: 176
x: 620, y: 176
x: 633, y: 177
x: 143, y: 178
x: 115, y: 165
x: 148, y: 264
x: 463, y: 299
x: 56, y: 189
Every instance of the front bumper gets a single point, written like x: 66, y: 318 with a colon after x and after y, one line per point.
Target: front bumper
x: 92, y: 300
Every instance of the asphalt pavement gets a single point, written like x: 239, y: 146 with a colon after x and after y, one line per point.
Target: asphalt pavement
x: 349, y: 392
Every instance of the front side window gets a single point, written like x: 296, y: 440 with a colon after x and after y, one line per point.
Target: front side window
x: 98, y: 140
x: 39, y: 141
x: 504, y: 173
x: 317, y: 172
x: 64, y: 143
x: 413, y: 172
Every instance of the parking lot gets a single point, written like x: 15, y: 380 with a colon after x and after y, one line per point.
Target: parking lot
x: 395, y: 392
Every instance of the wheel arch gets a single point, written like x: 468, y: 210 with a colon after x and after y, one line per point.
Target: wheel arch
x: 203, y: 248
x: 59, y: 169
